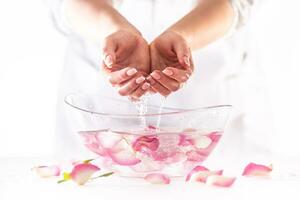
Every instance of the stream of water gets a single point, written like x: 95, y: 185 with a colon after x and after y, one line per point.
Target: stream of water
x: 142, y: 107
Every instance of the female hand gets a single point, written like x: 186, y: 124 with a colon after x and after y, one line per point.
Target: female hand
x: 171, y: 63
x: 126, y: 60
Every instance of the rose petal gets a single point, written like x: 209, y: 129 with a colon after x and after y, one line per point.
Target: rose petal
x: 124, y: 157
x: 220, y: 181
x: 184, y: 140
x: 253, y: 169
x: 108, y: 139
x: 148, y: 142
x: 202, y: 142
x: 195, y: 170
x: 81, y: 173
x: 200, y: 174
x: 195, y: 156
x: 157, y: 178
x: 215, y: 136
x: 47, y: 171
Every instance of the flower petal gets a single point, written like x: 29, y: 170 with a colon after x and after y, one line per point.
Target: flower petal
x: 202, y: 142
x: 157, y: 178
x: 220, y: 181
x: 108, y: 139
x: 200, y: 174
x: 148, y: 142
x: 195, y: 170
x: 47, y: 171
x: 81, y: 173
x: 253, y: 169
x: 124, y: 157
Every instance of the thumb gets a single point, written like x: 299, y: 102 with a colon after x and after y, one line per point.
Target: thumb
x: 183, y: 54
x: 109, y: 53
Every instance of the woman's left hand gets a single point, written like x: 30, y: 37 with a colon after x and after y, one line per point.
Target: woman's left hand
x: 171, y: 63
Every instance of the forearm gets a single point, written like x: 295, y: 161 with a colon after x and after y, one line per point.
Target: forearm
x: 207, y: 22
x: 95, y: 19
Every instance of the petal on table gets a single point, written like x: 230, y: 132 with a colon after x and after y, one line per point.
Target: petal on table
x: 220, y: 181
x: 81, y: 173
x: 253, y: 169
x: 203, y: 176
x: 195, y: 170
x: 157, y: 178
x: 47, y: 171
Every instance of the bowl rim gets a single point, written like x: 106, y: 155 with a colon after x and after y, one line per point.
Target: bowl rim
x: 174, y: 112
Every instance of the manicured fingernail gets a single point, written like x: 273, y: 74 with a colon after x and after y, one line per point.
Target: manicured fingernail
x: 184, y: 78
x: 145, y: 86
x: 156, y: 76
x: 151, y: 81
x: 140, y: 80
x: 131, y: 72
x: 108, y: 61
x: 186, y: 60
x: 168, y: 72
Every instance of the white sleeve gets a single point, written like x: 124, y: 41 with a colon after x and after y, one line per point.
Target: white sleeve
x: 242, y: 10
x: 56, y: 12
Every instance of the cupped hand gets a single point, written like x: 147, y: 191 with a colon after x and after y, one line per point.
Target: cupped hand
x: 126, y: 60
x: 171, y: 63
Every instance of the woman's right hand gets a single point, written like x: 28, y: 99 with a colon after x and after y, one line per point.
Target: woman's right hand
x: 126, y: 60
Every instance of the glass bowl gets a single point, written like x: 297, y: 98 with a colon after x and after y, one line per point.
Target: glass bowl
x: 135, y: 139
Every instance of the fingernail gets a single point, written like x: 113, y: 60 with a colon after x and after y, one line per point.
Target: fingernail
x: 131, y: 72
x: 156, y: 76
x: 186, y: 60
x: 184, y: 78
x: 168, y: 72
x: 151, y: 81
x: 145, y: 86
x: 140, y: 80
x: 108, y: 61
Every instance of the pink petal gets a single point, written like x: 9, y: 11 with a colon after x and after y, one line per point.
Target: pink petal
x: 47, y: 171
x: 195, y: 170
x: 202, y: 142
x: 220, y: 181
x: 81, y: 173
x: 150, y: 127
x: 96, y: 148
x: 253, y: 169
x: 202, y: 176
x: 157, y: 178
x: 108, y: 139
x: 184, y: 140
x: 195, y: 156
x: 215, y: 136
x: 148, y: 142
x: 124, y: 157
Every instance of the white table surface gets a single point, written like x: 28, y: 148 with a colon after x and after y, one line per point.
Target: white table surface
x: 18, y: 182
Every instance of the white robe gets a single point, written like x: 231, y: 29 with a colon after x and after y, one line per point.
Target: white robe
x: 226, y: 72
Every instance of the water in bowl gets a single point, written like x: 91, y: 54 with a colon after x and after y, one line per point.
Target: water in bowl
x: 137, y: 153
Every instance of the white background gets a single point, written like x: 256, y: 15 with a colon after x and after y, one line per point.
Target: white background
x: 31, y: 57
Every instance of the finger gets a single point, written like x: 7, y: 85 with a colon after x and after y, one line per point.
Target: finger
x: 131, y: 85
x: 177, y: 74
x: 140, y: 91
x: 122, y: 75
x: 183, y: 53
x: 157, y: 87
x: 165, y: 81
x: 109, y: 52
